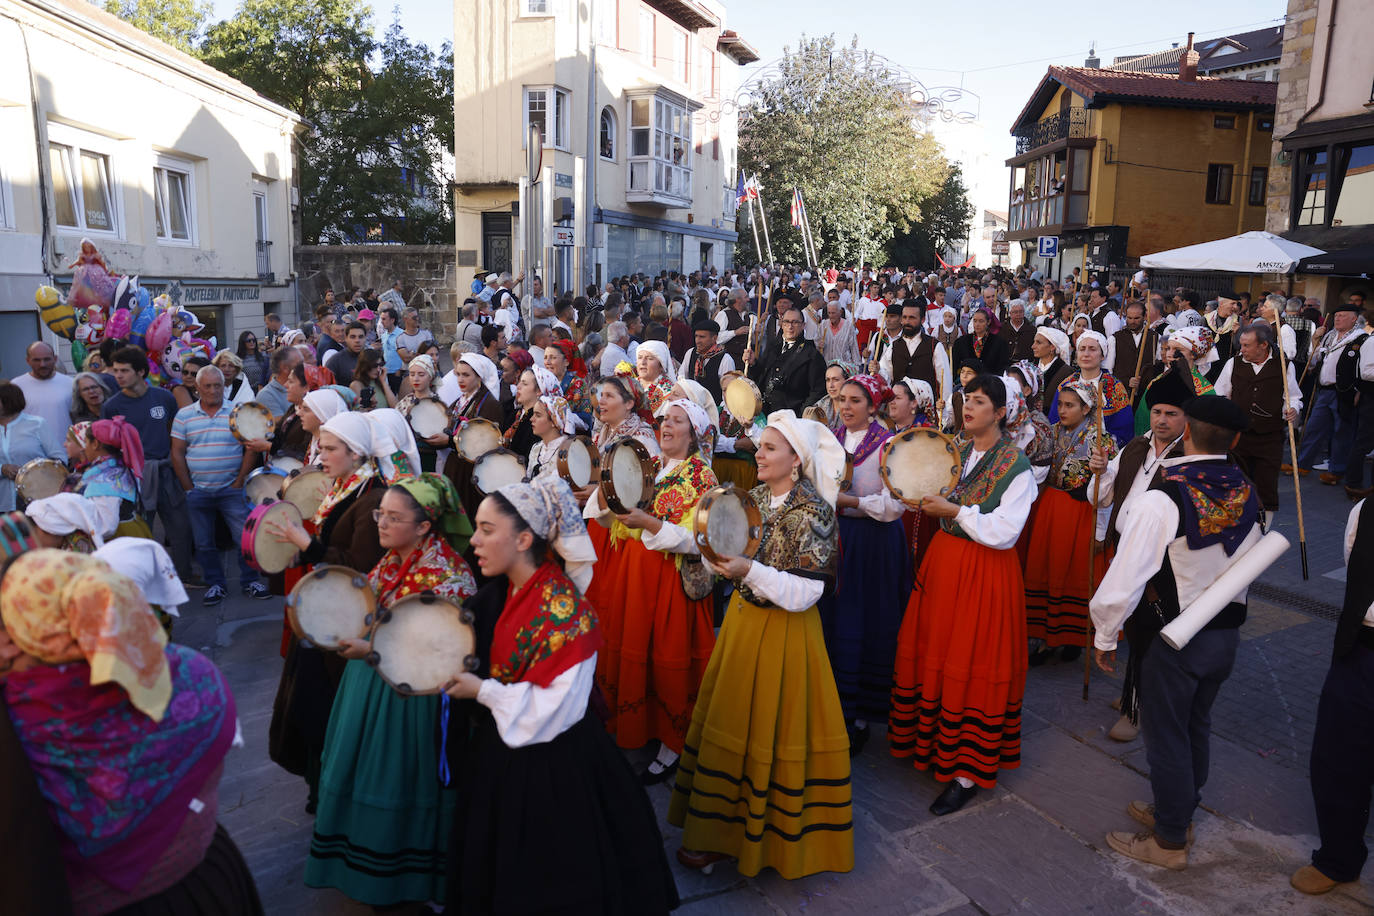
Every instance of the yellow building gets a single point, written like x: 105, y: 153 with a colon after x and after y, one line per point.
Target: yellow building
x: 1119, y: 164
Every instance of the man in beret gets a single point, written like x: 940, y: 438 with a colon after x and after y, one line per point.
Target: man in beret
x: 1198, y: 515
x: 707, y: 362
x: 1330, y: 427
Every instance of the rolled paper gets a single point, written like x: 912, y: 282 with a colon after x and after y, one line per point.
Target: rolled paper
x: 1237, y: 577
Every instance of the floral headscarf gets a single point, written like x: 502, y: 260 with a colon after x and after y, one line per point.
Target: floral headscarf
x: 439, y: 500
x: 561, y: 414
x: 120, y: 433
x: 80, y: 433
x: 701, y: 423
x: 1086, y: 392
x: 548, y: 382
x: 1030, y: 373
x: 547, y: 505
x: 845, y: 366
x: 878, y: 391
x: 921, y: 395
x: 575, y: 362
x: 1199, y: 343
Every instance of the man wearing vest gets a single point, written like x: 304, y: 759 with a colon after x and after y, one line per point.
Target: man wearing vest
x: 1225, y: 324
x: 1358, y: 375
x: 1342, y: 764
x: 1330, y: 427
x: 733, y: 325
x: 878, y: 345
x: 708, y: 361
x: 1252, y: 380
x: 1200, y: 513
x: 1125, y: 360
x: 917, y: 355
x: 1124, y: 479
x: 1018, y: 333
x: 1103, y: 319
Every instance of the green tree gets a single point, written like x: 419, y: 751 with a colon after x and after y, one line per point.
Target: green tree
x: 942, y: 224
x: 177, y: 22
x: 840, y: 125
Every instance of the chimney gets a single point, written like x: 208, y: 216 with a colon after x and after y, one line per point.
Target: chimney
x: 1187, y: 64
x: 1093, y: 62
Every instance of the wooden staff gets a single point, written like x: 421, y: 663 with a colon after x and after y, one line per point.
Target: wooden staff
x: 1139, y: 391
x: 1092, y: 549
x: 1292, y: 441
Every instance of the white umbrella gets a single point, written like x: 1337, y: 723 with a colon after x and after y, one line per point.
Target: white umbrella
x: 1248, y: 253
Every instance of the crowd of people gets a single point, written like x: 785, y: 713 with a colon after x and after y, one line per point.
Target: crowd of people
x: 1113, y: 449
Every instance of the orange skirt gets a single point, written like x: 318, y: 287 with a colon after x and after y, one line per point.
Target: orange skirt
x: 960, y: 673
x: 1057, y: 589
x: 656, y: 646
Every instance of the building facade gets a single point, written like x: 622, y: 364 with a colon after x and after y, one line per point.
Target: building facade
x: 176, y: 172
x: 1321, y: 190
x: 1118, y: 164
x: 634, y: 101
x: 1243, y: 56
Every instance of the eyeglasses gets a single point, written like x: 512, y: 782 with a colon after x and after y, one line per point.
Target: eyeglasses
x: 382, y: 518
x: 791, y: 322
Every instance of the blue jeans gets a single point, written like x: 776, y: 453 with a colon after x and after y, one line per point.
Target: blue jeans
x: 204, y: 506
x: 1327, y: 424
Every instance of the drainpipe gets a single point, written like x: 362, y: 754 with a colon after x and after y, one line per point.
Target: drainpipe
x: 1326, y: 66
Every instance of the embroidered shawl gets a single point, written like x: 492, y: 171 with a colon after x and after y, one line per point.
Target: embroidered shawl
x: 1219, y: 505
x: 873, y: 439
x: 800, y: 536
x: 343, y: 488
x: 546, y: 628
x: 656, y: 392
x: 433, y: 566
x: 984, y: 485
x: 1069, y: 454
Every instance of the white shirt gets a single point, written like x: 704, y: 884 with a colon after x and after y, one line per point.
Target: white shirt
x: 610, y: 358
x: 1328, y: 353
x: 1153, y: 456
x: 527, y: 714
x: 942, y: 372
x: 1147, y: 527
x: 1111, y: 321
x: 51, y: 400
x: 1352, y: 524
x: 1000, y: 528
x: 935, y: 318
x: 722, y: 321
x: 870, y: 309
x: 1223, y: 383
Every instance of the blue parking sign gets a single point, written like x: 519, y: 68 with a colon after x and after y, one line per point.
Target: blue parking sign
x: 1049, y: 246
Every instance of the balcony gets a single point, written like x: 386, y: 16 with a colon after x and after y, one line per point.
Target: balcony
x: 1071, y: 124
x: 265, y: 261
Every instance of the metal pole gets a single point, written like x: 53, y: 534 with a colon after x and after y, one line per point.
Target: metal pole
x: 588, y: 274
x: 754, y: 224
x: 766, y: 240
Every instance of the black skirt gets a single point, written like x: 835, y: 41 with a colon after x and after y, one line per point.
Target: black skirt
x: 561, y: 827
x: 221, y: 885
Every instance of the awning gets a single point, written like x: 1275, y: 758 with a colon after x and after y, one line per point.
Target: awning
x: 1248, y: 253
x: 1357, y: 261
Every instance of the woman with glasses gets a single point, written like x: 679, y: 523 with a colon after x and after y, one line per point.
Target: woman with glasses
x: 343, y: 533
x: 255, y: 365
x: 88, y: 396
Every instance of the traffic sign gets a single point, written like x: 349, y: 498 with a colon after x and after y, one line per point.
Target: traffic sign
x: 563, y: 237
x: 1049, y: 246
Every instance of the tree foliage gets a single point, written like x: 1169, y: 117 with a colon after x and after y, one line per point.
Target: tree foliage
x: 177, y: 22
x: 841, y: 126
x: 943, y: 223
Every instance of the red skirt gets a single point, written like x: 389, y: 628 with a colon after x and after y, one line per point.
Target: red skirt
x: 866, y: 328
x: 960, y: 672
x: 1057, y: 588
x: 657, y: 644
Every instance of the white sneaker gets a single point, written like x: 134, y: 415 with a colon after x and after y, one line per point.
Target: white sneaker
x: 1324, y: 466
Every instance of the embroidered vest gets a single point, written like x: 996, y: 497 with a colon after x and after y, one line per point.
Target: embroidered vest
x: 984, y: 485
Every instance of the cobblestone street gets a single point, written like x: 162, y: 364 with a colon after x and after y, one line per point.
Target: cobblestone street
x: 1034, y: 845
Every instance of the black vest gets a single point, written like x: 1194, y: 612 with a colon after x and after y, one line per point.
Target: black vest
x: 917, y: 364
x: 1359, y: 584
x: 1259, y: 394
x: 710, y: 373
x: 736, y: 345
x: 1348, y: 381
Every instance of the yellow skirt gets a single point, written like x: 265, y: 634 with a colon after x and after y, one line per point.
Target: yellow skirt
x: 764, y: 775
x: 741, y: 472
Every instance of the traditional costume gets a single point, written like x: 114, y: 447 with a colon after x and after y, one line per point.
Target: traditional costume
x: 485, y: 404
x: 429, y: 454
x: 111, y: 481
x: 657, y: 391
x: 381, y: 835
x: 764, y: 777
x: 1112, y: 396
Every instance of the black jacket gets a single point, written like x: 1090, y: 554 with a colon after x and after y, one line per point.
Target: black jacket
x: 994, y: 358
x: 791, y: 378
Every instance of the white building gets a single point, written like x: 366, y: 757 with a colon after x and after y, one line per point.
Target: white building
x: 175, y: 171
x: 642, y: 90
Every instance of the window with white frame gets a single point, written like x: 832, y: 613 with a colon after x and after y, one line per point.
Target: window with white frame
x: 608, y: 134
x: 646, y: 37
x: 660, y: 147
x: 706, y: 75
x: 682, y: 50
x: 607, y: 20
x: 174, y: 201
x: 548, y: 109
x: 84, y: 183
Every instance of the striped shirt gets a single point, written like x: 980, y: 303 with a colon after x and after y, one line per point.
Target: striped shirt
x: 213, y: 455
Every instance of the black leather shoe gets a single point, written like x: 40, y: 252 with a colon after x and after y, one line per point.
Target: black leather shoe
x: 650, y: 778
x: 858, y: 737
x: 1070, y: 653
x: 952, y: 799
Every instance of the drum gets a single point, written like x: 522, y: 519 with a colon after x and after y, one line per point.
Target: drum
x: 306, y: 489
x: 728, y: 523
x: 285, y: 463
x: 743, y: 400
x: 331, y: 604
x: 579, y: 462
x: 627, y: 475
x: 476, y: 437
x: 814, y: 413
x: 260, y: 547
x: 251, y: 421
x: 422, y: 642
x: 497, y: 468
x: 264, y: 484
x: 429, y: 417
x: 40, y: 478
x: 919, y: 463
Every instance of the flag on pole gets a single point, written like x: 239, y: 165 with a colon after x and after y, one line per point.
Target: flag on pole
x: 751, y: 189
x: 741, y: 194
x: 796, y: 207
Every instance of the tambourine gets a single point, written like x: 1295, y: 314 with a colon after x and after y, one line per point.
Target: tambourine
x: 814, y: 413
x: 264, y: 484
x: 260, y: 547
x: 428, y: 417
x: 286, y: 464
x: 421, y: 642
x: 497, y: 468
x: 743, y: 400
x: 306, y: 489
x: 40, y: 478
x: 331, y: 604
x: 728, y: 523
x: 476, y: 437
x: 627, y: 475
x: 251, y: 421
x: 919, y: 463
x: 579, y: 463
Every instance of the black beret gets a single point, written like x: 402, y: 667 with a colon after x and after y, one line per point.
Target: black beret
x: 1217, y: 411
x: 972, y: 363
x: 706, y: 324
x: 1174, y: 388
x: 1348, y: 307
x: 893, y: 309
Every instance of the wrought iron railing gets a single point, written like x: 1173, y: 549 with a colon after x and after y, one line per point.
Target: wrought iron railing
x: 1073, y: 123
x: 265, y: 260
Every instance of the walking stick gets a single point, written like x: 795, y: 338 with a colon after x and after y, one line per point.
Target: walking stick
x: 1139, y: 391
x: 1292, y: 442
x: 1092, y: 548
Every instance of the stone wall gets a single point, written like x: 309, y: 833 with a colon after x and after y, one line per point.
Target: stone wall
x: 1295, y: 68
x: 428, y: 273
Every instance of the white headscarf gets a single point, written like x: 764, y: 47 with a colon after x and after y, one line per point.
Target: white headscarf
x: 390, y: 426
x: 486, y: 371
x: 697, y: 393
x: 150, y: 566
x: 354, y: 431
x: 1095, y: 336
x: 659, y: 351
x: 922, y: 394
x: 68, y: 513
x: 548, y: 507
x: 1057, y: 339
x: 325, y: 404
x: 1016, y: 401
x: 701, y: 424
x: 821, y: 454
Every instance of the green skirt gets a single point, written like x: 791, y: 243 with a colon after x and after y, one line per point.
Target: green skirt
x: 383, y: 822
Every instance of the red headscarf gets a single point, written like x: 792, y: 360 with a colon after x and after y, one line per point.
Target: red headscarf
x: 878, y: 391
x: 121, y: 434
x: 575, y: 362
x: 522, y: 358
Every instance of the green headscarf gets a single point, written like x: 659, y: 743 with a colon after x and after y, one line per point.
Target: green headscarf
x: 437, y: 496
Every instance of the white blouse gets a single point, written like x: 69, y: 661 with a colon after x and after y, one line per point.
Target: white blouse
x: 1000, y: 528
x: 544, y: 456
x: 528, y: 714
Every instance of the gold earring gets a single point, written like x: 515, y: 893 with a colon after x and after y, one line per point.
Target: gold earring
x: 796, y: 475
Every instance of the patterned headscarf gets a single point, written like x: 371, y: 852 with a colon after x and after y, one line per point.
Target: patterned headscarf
x: 80, y: 433
x: 921, y: 394
x: 547, y: 505
x: 1031, y: 374
x: 16, y: 536
x: 67, y: 513
x: 348, y: 395
x: 845, y: 366
x: 1199, y: 342
x: 437, y: 497
x: 878, y: 391
x: 121, y: 434
x: 1086, y: 391
x: 522, y: 358
x: 548, y: 382
x: 563, y: 418
x: 60, y: 606
x: 390, y: 425
x: 575, y: 361
x: 1016, y: 401
x: 426, y: 362
x: 701, y: 424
